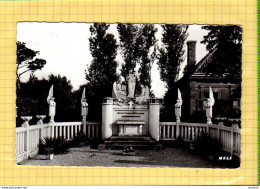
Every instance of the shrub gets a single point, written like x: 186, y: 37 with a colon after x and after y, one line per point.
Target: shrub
x: 205, y: 145
x: 45, y: 146
x: 49, y: 145
x: 61, y: 145
x: 95, y: 142
x: 178, y: 143
x: 80, y: 139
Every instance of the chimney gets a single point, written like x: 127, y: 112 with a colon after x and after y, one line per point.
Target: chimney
x: 191, y: 53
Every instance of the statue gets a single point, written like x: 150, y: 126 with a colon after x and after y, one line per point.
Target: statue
x: 84, y: 105
x: 131, y: 79
x: 119, y: 90
x: 178, y: 107
x: 84, y: 108
x: 52, y: 104
x: 209, y: 104
x: 144, y: 95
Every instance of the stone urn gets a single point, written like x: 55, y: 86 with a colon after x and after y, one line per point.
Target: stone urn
x: 235, y: 122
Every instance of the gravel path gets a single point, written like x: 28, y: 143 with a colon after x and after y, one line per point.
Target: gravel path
x: 168, y: 157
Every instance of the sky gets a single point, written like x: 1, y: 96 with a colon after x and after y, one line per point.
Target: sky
x: 65, y: 47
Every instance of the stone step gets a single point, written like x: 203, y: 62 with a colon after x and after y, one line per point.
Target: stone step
x: 130, y: 138
x: 129, y: 143
x: 155, y: 146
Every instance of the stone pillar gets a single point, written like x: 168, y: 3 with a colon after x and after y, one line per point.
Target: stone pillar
x: 154, y: 118
x: 107, y: 117
x: 40, y: 122
x: 26, y: 125
x: 40, y: 117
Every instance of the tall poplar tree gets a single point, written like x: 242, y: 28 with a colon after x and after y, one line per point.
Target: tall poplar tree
x: 101, y: 74
x: 171, y: 53
x: 147, y: 53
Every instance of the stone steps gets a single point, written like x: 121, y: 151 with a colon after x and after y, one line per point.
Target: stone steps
x: 129, y: 138
x: 136, y: 142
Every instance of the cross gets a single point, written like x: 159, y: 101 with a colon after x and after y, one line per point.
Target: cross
x: 130, y: 104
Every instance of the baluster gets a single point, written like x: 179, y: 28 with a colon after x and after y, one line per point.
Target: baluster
x: 23, y: 138
x: 59, y: 131
x: 173, y: 132
x: 164, y: 131
x: 33, y: 138
x: 88, y: 130
x: 93, y: 131
x: 18, y: 143
x: 167, y: 131
x: 189, y: 133
x: 56, y: 131
x: 97, y: 131
x: 185, y: 136
x: 63, y: 129
x: 68, y: 132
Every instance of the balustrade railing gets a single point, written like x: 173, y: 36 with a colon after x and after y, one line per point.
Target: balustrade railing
x: 229, y: 137
x: 29, y: 136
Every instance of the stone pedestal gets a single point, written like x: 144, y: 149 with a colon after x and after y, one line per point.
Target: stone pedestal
x: 154, y: 117
x: 130, y: 128
x: 107, y: 118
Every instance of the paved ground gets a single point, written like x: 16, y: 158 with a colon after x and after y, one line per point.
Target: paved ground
x: 168, y: 157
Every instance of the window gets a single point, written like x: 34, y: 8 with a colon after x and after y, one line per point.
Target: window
x: 206, y: 94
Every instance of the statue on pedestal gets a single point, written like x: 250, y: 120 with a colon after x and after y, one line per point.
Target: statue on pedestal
x: 52, y: 104
x: 131, y: 79
x: 84, y: 105
x: 209, y: 104
x: 119, y: 90
x: 178, y: 107
x: 84, y: 108
x: 144, y: 95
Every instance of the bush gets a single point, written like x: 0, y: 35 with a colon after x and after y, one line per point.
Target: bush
x: 50, y: 145
x: 178, y: 143
x: 45, y: 146
x: 80, y: 139
x: 95, y: 142
x: 205, y: 145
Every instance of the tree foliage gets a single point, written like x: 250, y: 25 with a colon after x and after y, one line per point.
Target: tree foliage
x: 147, y: 53
x: 227, y: 43
x: 32, y: 98
x: 101, y: 74
x: 26, y: 60
x: 130, y: 45
x: 138, y: 49
x: 171, y: 53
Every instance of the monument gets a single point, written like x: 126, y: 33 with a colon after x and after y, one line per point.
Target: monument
x: 128, y: 114
x: 178, y: 107
x: 52, y: 105
x: 209, y: 104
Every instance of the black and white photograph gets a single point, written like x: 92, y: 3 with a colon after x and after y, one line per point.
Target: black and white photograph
x: 128, y: 95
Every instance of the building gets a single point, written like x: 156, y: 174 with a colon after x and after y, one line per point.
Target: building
x: 195, y: 83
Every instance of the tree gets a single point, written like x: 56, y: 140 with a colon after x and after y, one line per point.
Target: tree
x: 171, y: 53
x: 147, y: 53
x: 32, y: 98
x: 226, y: 41
x: 101, y: 74
x: 26, y: 60
x: 130, y: 45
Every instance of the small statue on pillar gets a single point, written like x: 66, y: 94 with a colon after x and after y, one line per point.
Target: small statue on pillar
x: 209, y: 104
x: 131, y: 79
x: 84, y: 109
x: 178, y: 107
x: 52, y: 105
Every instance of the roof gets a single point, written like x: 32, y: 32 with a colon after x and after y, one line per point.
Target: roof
x: 203, y: 63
